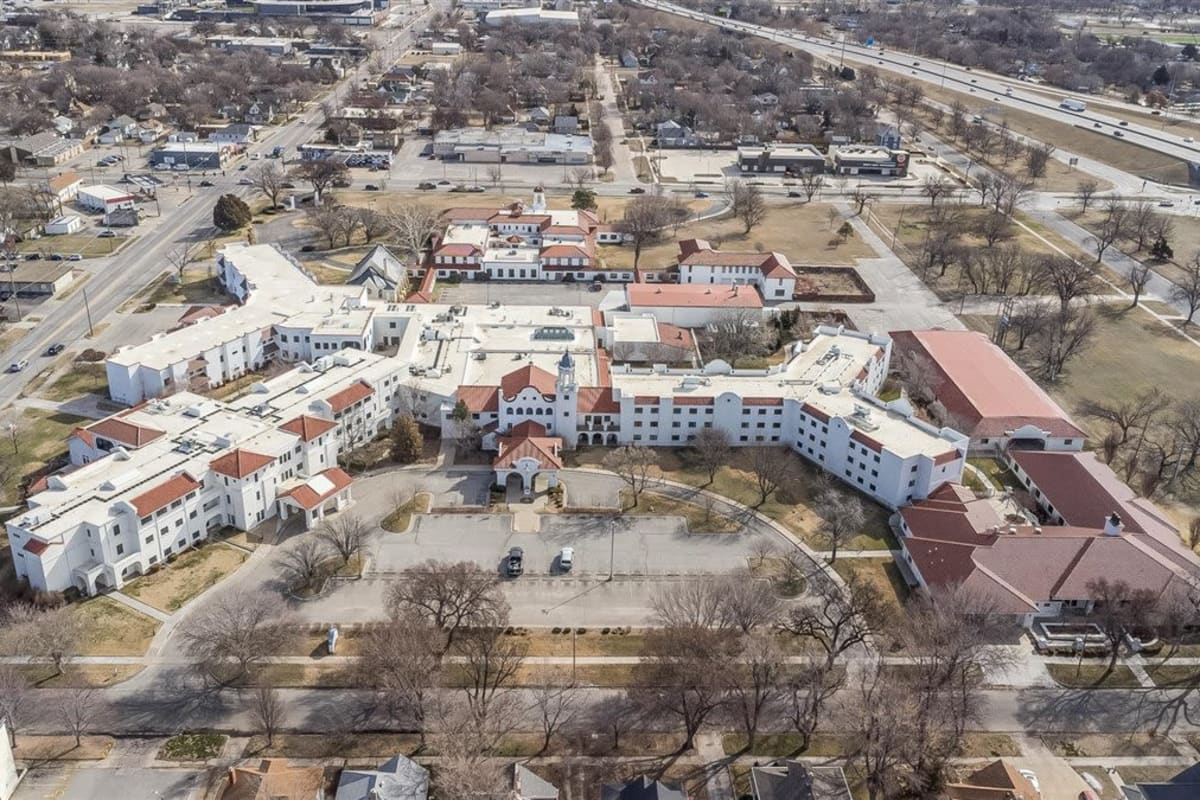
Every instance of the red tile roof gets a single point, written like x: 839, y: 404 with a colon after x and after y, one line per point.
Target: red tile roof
x: 164, y: 494
x: 866, y: 441
x: 981, y: 385
x: 528, y: 375
x: 308, y: 427
x: 762, y: 401
x: 675, y: 335
x: 60, y: 182
x: 124, y: 432
x: 1070, y: 481
x: 688, y: 247
x: 814, y: 412
x: 457, y: 249
x: 691, y: 401
x: 308, y: 496
x: 239, y: 463
x: 544, y: 449
x: 197, y: 313
x: 480, y: 399
x: 340, y: 401
x: 528, y: 428
x: 597, y: 400
x: 683, y: 295
x: 773, y: 265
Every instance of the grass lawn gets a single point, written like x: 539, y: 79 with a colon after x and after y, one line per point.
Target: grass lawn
x: 41, y: 439
x: 85, y: 244
x: 1093, y: 676
x: 1149, y: 773
x: 1174, y: 674
x: 798, y: 230
x: 880, y: 573
x: 698, y: 519
x: 79, y: 676
x: 189, y: 575
x: 373, y: 746
x: 1104, y: 745
x: 326, y: 273
x: 80, y: 378
x: 787, y: 506
x: 111, y: 629
x: 11, y: 334
x: 192, y: 747
x: 62, y: 748
x: 1108, y: 791
x: 399, y: 520
x: 198, y: 287
x: 1000, y: 476
x: 989, y: 745
x: 778, y: 745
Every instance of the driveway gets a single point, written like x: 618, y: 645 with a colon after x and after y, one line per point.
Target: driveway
x: 88, y: 783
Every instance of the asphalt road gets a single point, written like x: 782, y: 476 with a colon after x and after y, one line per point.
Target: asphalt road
x: 932, y: 71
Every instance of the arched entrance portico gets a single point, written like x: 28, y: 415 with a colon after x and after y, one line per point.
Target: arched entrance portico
x: 526, y: 454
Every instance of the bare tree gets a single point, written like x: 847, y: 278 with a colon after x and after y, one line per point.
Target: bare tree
x: 838, y: 620
x: 713, y: 449
x: 1037, y: 158
x: 234, y: 632
x: 402, y: 660
x: 1140, y: 223
x: 556, y: 700
x: 771, y: 466
x: 1111, y: 228
x: 78, y: 708
x: 580, y: 176
x: 372, y: 223
x: 52, y: 633
x: 1029, y: 319
x: 269, y: 178
x: 1066, y: 337
x: 811, y: 184
x: 632, y: 464
x: 1118, y: 608
x: 876, y: 713
x: 465, y: 744
x: 182, y: 254
x: 757, y: 686
x: 1086, y: 190
x: 808, y: 694
x: 747, y: 204
x: 1130, y: 415
x: 346, y: 534
x: 729, y: 602
x: 1187, y: 288
x: 992, y: 227
x: 683, y: 674
x: 935, y: 188
x: 734, y: 334
x: 413, y: 224
x: 860, y: 197
x: 842, y: 518
x: 644, y: 220
x: 450, y: 596
x: 15, y: 695
x: 268, y: 711
x: 303, y: 562
x: 490, y: 661
x: 1137, y: 279
x: 920, y: 376
x: 321, y: 175
x: 1069, y: 279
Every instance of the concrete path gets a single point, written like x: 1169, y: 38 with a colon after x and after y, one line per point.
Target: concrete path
x: 139, y: 606
x: 712, y: 752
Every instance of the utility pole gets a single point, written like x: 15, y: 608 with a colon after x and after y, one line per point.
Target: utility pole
x: 612, y: 547
x: 12, y: 286
x: 88, y: 308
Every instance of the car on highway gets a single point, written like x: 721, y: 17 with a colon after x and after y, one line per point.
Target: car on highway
x: 515, y: 564
x: 205, y: 184
x: 701, y: 195
x: 1166, y: 203
x: 243, y: 167
x: 637, y: 190
x: 425, y: 186
x: 916, y: 63
x: 33, y: 256
x: 75, y: 257
x: 1118, y: 134
x: 55, y: 349
x: 370, y: 187
x: 54, y: 257
x: 1124, y: 124
x: 794, y: 193
x: 245, y: 182
x: 1097, y: 125
x: 974, y: 81
x: 17, y: 366
x: 443, y: 182
x: 1188, y: 139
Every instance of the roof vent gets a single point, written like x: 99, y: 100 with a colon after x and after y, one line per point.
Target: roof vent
x: 1113, y: 525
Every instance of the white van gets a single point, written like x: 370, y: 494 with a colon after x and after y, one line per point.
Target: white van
x: 566, y: 558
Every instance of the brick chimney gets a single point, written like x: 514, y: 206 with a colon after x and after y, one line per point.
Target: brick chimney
x: 1113, y: 524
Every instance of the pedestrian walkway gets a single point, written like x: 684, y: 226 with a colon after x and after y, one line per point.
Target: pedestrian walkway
x: 139, y: 606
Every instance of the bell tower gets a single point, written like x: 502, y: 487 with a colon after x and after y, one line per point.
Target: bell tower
x: 539, y: 200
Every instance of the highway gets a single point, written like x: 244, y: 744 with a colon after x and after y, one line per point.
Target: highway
x: 117, y: 278
x: 989, y: 87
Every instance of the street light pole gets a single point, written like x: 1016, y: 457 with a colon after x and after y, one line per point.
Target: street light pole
x: 612, y: 547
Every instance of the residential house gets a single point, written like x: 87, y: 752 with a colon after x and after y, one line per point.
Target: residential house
x: 528, y: 785
x: 275, y: 779
x: 566, y: 124
x: 259, y: 113
x: 64, y: 186
x: 235, y: 133
x: 398, y: 778
x: 1183, y: 786
x: 642, y: 788
x: 118, y: 129
x: 997, y: 781
x: 64, y: 125
x: 671, y: 134
x: 382, y: 272
x: 793, y: 780
x: 629, y: 60
x: 647, y: 77
x: 540, y: 115
x: 150, y: 111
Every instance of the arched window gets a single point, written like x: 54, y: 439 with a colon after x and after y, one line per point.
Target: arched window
x: 519, y: 411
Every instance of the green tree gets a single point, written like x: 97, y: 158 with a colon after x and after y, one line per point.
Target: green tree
x: 1161, y: 249
x: 407, y: 441
x: 845, y: 232
x: 583, y: 200
x: 1161, y: 76
x: 1189, y: 52
x: 231, y: 213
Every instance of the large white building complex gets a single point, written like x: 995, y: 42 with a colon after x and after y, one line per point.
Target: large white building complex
x: 177, y: 466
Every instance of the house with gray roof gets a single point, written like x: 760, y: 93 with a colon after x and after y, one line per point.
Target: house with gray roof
x: 398, y: 778
x: 1184, y: 786
x: 642, y: 788
x: 792, y: 780
x: 381, y: 272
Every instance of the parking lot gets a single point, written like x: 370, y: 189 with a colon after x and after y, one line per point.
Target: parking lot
x: 525, y: 293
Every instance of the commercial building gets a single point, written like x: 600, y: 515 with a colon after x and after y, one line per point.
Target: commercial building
x: 512, y: 145
x: 270, y: 45
x: 346, y: 12
x: 534, y: 15
x: 863, y: 160
x: 993, y: 400
x: 59, y: 226
x: 194, y: 155
x: 793, y: 159
x: 103, y: 198
x: 36, y: 278
x: 45, y: 149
